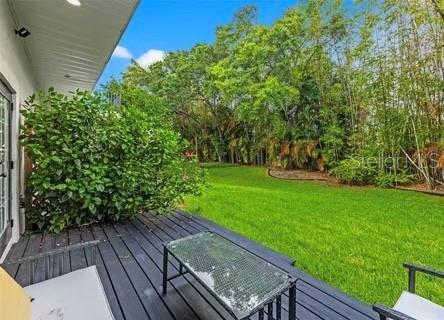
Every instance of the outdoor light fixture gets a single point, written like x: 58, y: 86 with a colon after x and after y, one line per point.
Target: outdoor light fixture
x: 22, y: 32
x: 74, y: 2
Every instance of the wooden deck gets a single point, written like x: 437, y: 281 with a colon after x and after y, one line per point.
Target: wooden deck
x: 130, y: 266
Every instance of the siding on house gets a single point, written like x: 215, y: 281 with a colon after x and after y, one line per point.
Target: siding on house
x: 16, y: 72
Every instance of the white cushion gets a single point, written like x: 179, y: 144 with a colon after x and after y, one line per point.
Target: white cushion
x: 73, y: 296
x: 419, y: 308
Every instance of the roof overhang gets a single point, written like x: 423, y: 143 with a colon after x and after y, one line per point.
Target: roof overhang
x: 69, y: 46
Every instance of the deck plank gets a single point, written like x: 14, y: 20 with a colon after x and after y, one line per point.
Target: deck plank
x: 32, y: 248
x: 17, y: 251
x: 47, y: 244
x: 77, y: 257
x: 148, y: 258
x: 62, y: 240
x: 128, y: 299
x: 87, y: 235
x: 130, y: 260
x: 151, y: 301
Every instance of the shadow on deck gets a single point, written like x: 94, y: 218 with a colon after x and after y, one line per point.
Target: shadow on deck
x: 130, y: 266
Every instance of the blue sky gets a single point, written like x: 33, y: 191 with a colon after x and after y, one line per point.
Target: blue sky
x: 160, y: 26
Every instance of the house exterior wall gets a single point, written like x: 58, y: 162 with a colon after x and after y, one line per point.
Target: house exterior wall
x: 15, y: 71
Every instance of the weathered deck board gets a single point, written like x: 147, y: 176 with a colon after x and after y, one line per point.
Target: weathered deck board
x: 87, y: 235
x: 33, y: 247
x: 129, y: 301
x: 17, y: 252
x: 130, y: 261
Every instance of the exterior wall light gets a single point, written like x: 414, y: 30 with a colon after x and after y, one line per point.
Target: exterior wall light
x: 22, y: 32
x: 74, y: 2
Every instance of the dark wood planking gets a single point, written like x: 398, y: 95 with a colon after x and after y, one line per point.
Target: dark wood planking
x: 170, y: 306
x: 329, y: 302
x: 47, y: 244
x: 87, y: 235
x: 32, y: 248
x: 130, y: 266
x: 61, y: 240
x: 146, y: 254
x: 181, y: 224
x: 166, y: 224
x: 336, y: 299
x: 77, y: 257
x: 148, y: 296
x: 131, y: 307
x: 187, y: 221
x: 17, y: 251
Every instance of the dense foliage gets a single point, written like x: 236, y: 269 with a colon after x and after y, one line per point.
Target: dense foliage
x: 353, y: 170
x: 93, y: 161
x: 325, y: 82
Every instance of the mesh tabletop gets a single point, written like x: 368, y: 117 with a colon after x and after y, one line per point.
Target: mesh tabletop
x: 241, y: 280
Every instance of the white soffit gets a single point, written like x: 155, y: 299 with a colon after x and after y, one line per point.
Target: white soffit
x: 69, y: 46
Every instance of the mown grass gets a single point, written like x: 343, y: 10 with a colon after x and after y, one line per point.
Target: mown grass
x: 354, y: 238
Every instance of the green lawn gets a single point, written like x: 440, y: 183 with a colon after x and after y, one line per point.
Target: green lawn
x: 355, y: 238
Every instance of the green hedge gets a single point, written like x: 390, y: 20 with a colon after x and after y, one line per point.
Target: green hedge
x: 93, y: 161
x: 354, y: 171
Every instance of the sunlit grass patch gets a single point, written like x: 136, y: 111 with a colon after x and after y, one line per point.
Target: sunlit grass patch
x: 354, y: 238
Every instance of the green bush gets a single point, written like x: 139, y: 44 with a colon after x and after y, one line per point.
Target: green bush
x: 93, y: 161
x: 354, y: 171
x: 389, y: 180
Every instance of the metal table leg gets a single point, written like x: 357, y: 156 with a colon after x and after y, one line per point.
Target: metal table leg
x: 278, y: 308
x: 261, y: 314
x: 270, y: 311
x: 165, y: 270
x: 292, y: 303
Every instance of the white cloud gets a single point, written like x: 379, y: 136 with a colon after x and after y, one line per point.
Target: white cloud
x: 122, y: 52
x: 149, y: 57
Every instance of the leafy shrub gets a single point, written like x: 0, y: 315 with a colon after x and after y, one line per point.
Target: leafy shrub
x: 354, y: 171
x: 333, y: 143
x: 93, y: 161
x: 389, y: 180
